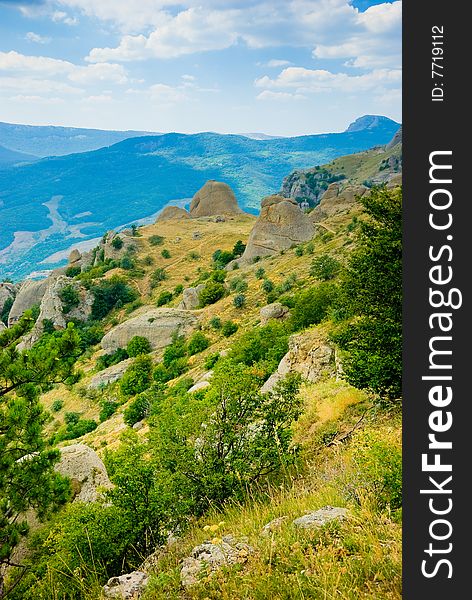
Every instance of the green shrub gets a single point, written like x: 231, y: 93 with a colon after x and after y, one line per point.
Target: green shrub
x: 299, y: 251
x: 324, y: 267
x: 238, y: 284
x: 6, y: 310
x: 267, y: 286
x: 127, y: 263
x: 69, y: 298
x: 156, y: 240
x: 71, y: 418
x: 57, y: 405
x: 164, y: 298
x: 72, y: 271
x: 161, y: 374
x: 137, y: 376
x: 148, y: 261
x: 215, y: 323
x: 108, y: 293
x: 177, y: 349
x: 137, y: 345
x: 107, y: 360
x: 229, y: 328
x: 221, y: 258
x: 218, y: 275
x: 178, y: 289
x: 117, y: 243
x: 238, y: 248
x: 267, y: 344
x: 239, y: 301
x: 194, y: 255
x: 197, y: 343
x: 211, y: 360
x: 211, y: 293
x: 312, y: 305
x: 157, y: 276
x: 165, y: 253
x: 137, y: 410
x: 260, y: 273
x: 107, y: 409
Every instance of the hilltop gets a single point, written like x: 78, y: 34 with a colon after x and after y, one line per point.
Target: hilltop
x: 184, y: 326
x: 51, y: 204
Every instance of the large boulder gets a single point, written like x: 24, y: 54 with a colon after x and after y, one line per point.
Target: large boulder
x: 212, y: 556
x: 276, y: 310
x: 86, y: 471
x: 7, y: 292
x: 172, y: 212
x: 320, y: 517
x: 158, y: 325
x: 336, y: 199
x: 31, y: 292
x: 309, y: 354
x: 281, y: 225
x: 110, y: 374
x: 131, y: 585
x: 214, y: 198
x: 54, y: 310
x: 191, y: 297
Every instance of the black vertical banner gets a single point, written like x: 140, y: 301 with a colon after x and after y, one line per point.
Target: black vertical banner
x: 437, y: 308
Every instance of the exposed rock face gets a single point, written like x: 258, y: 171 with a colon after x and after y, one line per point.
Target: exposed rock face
x: 191, y: 298
x: 30, y: 293
x: 2, y: 327
x: 157, y: 325
x: 276, y: 310
x: 131, y: 585
x: 129, y: 243
x: 7, y: 291
x: 110, y: 374
x: 52, y: 308
x: 172, y: 212
x: 281, y: 225
x: 320, y: 517
x: 309, y: 354
x: 397, y: 139
x: 336, y: 200
x: 214, y: 198
x: 209, y: 557
x: 86, y: 470
x: 74, y: 256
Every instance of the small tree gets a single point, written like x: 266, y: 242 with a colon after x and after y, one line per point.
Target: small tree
x: 137, y: 345
x: 197, y: 343
x: 324, y: 267
x: 137, y: 376
x: 239, y: 301
x: 117, y: 243
x: 165, y: 253
x: 212, y: 292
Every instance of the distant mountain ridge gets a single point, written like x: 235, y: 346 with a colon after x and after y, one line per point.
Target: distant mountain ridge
x: 11, y: 157
x: 51, y: 204
x: 50, y: 140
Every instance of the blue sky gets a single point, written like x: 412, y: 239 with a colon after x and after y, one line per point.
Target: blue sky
x: 283, y: 67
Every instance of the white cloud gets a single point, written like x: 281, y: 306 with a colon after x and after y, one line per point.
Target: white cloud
x: 40, y: 66
x: 25, y: 99
x: 319, y: 80
x: 59, y: 16
x: 37, y: 38
x: 166, y: 95
x: 279, y: 96
x: 276, y: 63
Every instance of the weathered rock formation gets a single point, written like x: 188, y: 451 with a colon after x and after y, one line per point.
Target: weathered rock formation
x: 7, y: 292
x: 397, y: 139
x: 211, y: 556
x: 125, y: 587
x: 309, y: 354
x: 320, y: 517
x: 157, y: 325
x: 86, y: 470
x: 172, y: 212
x: 191, y: 298
x: 276, y: 310
x: 214, y: 198
x: 110, y: 374
x: 335, y: 200
x: 30, y: 293
x: 281, y: 225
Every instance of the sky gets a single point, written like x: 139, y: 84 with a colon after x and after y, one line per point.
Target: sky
x: 282, y: 67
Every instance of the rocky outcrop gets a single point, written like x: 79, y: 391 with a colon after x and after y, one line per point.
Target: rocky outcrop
x: 7, y: 293
x: 214, y: 198
x: 86, y: 471
x: 211, y: 556
x: 131, y: 585
x: 109, y: 248
x: 54, y: 310
x: 335, y: 200
x: 110, y: 374
x: 191, y: 298
x: 320, y: 517
x: 397, y: 139
x: 309, y: 354
x: 170, y: 213
x: 273, y: 525
x: 281, y: 225
x: 276, y: 310
x: 30, y: 293
x: 157, y: 325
